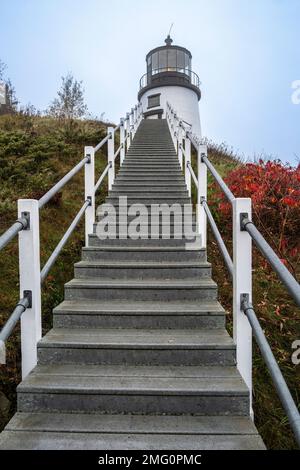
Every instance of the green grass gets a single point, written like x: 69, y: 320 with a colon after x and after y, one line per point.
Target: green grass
x: 34, y: 154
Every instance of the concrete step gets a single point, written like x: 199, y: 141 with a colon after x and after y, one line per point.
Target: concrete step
x: 137, y: 289
x: 151, y: 158
x: 77, y: 431
x: 149, y: 188
x: 145, y: 164
x: 123, y: 390
x: 137, y: 346
x: 94, y: 240
x: 130, y: 189
x: 126, y: 314
x: 141, y: 270
x: 156, y: 230
x: 140, y: 175
x: 161, y: 179
x: 149, y: 200
x: 142, y: 253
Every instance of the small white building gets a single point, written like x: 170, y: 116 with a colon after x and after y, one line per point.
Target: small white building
x: 2, y: 93
x: 169, y: 78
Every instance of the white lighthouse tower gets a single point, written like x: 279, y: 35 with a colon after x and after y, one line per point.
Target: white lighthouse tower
x: 169, y: 78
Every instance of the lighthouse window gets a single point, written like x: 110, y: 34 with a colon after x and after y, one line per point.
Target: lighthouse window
x: 172, y: 59
x: 154, y: 61
x: 180, y: 61
x: 163, y: 60
x: 153, y: 100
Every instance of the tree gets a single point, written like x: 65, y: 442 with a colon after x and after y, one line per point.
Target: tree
x: 70, y: 102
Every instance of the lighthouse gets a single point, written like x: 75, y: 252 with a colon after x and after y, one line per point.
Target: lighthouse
x: 170, y: 78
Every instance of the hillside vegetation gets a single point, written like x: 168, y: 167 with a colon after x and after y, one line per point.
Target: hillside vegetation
x: 35, y: 152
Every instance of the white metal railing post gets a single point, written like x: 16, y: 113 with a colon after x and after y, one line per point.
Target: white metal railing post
x: 202, y: 194
x: 187, y: 173
x: 174, y: 133
x: 135, y: 117
x: 110, y: 157
x: 122, y: 141
x: 30, y: 283
x: 89, y: 191
x: 180, y: 140
x: 127, y: 131
x: 242, y: 284
x: 132, y: 123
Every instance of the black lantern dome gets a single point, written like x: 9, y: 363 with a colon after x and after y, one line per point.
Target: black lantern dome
x: 169, y: 65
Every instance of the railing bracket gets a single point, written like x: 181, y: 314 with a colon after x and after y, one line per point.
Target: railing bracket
x: 26, y: 216
x: 89, y: 199
x: 243, y: 217
x: 245, y: 304
x: 28, y: 295
x: 89, y: 158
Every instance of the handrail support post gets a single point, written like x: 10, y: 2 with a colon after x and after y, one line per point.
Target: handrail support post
x: 187, y: 173
x: 122, y: 141
x: 202, y: 194
x: 110, y: 157
x: 128, y: 139
x: 29, y: 272
x: 89, y: 192
x: 180, y: 140
x: 242, y: 285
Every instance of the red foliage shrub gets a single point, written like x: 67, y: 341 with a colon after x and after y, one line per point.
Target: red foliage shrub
x: 275, y: 192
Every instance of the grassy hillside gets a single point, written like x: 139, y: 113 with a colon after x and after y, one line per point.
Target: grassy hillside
x: 34, y: 154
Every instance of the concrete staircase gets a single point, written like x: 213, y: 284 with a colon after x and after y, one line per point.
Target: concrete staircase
x: 138, y: 357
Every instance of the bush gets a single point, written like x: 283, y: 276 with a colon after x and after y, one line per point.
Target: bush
x: 275, y: 192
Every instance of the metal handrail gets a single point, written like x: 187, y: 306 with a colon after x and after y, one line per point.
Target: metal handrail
x: 12, y: 231
x: 218, y: 179
x: 58, y: 186
x: 63, y: 241
x: 103, y: 141
x: 284, y: 274
x: 275, y: 372
x: 108, y: 166
x: 118, y: 151
x: 13, y: 319
x: 106, y: 138
x: 218, y: 237
x: 192, y: 173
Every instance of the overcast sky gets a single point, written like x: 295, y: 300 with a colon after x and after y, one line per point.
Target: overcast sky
x: 245, y: 52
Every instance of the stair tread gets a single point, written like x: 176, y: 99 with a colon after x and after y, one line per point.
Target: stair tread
x: 96, y: 370
x: 153, y: 307
x: 118, y: 382
x: 116, y: 441
x: 144, y: 264
x: 142, y: 283
x: 130, y: 338
x: 91, y: 423
x: 140, y: 248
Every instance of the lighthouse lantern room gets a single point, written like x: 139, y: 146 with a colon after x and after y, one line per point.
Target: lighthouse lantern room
x: 169, y: 78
